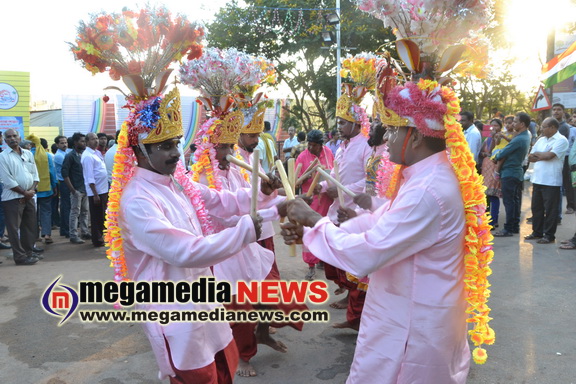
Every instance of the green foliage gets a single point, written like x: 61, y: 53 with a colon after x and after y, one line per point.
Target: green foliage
x: 292, y: 39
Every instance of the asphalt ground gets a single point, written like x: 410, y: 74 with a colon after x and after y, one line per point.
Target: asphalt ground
x: 533, y: 298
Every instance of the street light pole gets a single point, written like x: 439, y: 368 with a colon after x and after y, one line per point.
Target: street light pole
x: 338, y: 47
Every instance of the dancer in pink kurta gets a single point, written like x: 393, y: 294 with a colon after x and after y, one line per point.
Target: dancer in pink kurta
x: 414, y: 324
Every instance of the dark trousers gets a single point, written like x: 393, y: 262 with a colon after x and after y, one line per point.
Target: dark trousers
x: 55, y: 202
x: 20, y: 215
x: 511, y: 197
x: 493, y: 208
x: 567, y: 184
x: 545, y: 210
x: 64, y: 209
x: 97, y: 217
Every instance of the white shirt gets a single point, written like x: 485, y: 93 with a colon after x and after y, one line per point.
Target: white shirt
x: 549, y: 172
x: 263, y: 158
x: 289, y: 143
x: 17, y: 170
x: 109, y: 161
x: 94, y: 170
x: 474, y: 139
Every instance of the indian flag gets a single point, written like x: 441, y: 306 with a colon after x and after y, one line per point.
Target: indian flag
x: 560, y: 68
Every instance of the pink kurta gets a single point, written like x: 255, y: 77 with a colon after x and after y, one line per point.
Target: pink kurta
x: 163, y: 240
x: 254, y: 261
x: 413, y: 327
x: 351, y: 158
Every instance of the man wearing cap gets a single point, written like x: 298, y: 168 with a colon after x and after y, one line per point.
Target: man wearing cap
x: 413, y: 327
x: 167, y: 235
x: 320, y: 203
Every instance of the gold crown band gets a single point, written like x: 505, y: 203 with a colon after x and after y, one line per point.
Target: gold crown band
x: 229, y: 130
x: 256, y: 125
x: 169, y: 123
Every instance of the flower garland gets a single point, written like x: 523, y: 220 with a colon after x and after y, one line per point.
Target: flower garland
x: 205, y: 155
x: 361, y: 116
x: 196, y: 199
x: 388, y: 176
x: 478, y: 252
x: 238, y: 155
x: 122, y: 172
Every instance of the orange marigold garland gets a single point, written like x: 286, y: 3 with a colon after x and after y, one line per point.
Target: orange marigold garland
x: 478, y: 240
x: 122, y: 172
x: 205, y: 155
x: 238, y: 155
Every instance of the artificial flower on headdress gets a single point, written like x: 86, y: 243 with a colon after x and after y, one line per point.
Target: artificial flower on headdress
x: 434, y: 110
x: 360, y: 71
x: 138, y: 48
x: 431, y: 33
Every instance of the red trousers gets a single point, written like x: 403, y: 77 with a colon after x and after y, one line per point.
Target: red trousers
x: 220, y: 371
x: 355, y: 306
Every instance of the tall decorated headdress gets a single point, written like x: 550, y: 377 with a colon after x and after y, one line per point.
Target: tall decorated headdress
x: 360, y: 72
x: 138, y: 48
x: 215, y: 74
x: 430, y: 42
x: 250, y: 98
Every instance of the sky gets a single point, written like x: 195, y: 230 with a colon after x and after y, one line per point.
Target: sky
x: 36, y: 32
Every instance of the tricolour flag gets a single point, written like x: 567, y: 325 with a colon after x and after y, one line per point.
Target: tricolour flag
x: 560, y: 67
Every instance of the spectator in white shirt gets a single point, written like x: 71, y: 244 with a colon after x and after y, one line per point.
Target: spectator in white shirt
x: 96, y: 182
x: 548, y: 158
x: 290, y: 142
x: 20, y: 177
x: 109, y: 157
x: 471, y: 133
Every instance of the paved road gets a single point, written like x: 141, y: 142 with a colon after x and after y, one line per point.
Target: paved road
x: 533, y: 297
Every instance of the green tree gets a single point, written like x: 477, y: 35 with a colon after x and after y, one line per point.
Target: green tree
x: 292, y: 38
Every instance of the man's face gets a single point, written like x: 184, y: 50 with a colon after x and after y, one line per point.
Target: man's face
x: 223, y: 150
x: 62, y: 144
x: 81, y: 144
x: 347, y: 129
x: 164, y: 156
x: 248, y: 141
x: 574, y: 119
x: 517, y: 125
x: 396, y: 136
x: 464, y: 122
x: 12, y: 138
x: 291, y: 132
x: 376, y: 133
x: 547, y: 129
x: 102, y: 141
x: 315, y: 148
x: 558, y: 113
x: 91, y: 140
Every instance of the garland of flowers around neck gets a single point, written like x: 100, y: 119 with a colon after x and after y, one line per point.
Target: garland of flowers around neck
x: 478, y: 252
x: 388, y: 176
x: 122, y: 172
x: 238, y: 155
x: 205, y: 155
x: 361, y: 116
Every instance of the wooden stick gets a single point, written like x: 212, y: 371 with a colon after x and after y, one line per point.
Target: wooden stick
x: 291, y: 175
x: 313, y: 185
x: 246, y: 166
x: 255, y: 185
x: 289, y: 194
x: 307, y: 172
x: 340, y: 196
x: 336, y: 182
x: 297, y: 171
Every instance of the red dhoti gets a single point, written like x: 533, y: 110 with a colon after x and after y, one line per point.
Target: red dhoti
x: 220, y: 371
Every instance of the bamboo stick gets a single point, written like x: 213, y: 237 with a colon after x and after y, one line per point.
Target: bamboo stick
x: 246, y: 166
x: 340, y: 195
x: 315, y: 181
x: 289, y: 194
x: 255, y: 185
x: 336, y: 182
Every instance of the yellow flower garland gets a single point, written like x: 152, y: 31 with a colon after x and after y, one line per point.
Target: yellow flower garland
x: 478, y: 239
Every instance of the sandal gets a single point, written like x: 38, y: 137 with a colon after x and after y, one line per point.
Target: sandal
x: 567, y: 245
x: 48, y: 240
